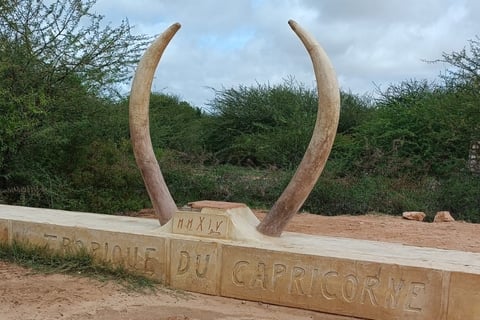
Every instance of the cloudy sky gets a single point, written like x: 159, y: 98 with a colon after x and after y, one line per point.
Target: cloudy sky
x: 226, y: 43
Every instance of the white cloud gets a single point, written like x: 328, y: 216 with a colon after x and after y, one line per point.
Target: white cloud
x: 228, y: 43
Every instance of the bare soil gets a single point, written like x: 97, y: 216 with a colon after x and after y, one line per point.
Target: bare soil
x: 27, y: 295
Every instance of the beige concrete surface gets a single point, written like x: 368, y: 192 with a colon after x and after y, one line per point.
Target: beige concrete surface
x: 194, y: 266
x: 464, y: 296
x: 349, y: 287
x: 218, y: 251
x: 4, y: 235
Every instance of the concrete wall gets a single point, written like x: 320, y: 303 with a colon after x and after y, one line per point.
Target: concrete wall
x: 219, y: 252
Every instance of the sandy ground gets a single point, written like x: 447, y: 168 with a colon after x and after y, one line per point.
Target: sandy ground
x: 26, y: 295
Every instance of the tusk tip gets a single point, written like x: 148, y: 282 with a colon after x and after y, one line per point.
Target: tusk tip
x: 176, y: 25
x: 293, y: 24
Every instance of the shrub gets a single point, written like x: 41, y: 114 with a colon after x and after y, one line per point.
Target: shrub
x: 460, y: 194
x: 263, y: 125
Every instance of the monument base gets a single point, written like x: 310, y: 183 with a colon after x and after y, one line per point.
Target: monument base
x: 214, y: 248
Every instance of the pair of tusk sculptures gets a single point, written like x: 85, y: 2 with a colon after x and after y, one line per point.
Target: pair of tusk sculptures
x: 307, y: 172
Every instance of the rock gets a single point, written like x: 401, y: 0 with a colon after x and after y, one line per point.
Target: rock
x: 443, y: 216
x: 414, y: 215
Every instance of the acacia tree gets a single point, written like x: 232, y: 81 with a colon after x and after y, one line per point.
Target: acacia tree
x: 465, y: 63
x: 465, y: 75
x: 66, y: 38
x: 56, y: 57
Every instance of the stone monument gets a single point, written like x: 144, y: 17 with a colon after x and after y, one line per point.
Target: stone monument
x: 222, y: 249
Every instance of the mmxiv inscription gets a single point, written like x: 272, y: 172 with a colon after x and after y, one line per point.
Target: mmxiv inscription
x: 199, y: 224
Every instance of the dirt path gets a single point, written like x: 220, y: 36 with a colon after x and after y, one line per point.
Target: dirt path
x: 28, y: 296
x: 25, y: 295
x: 456, y: 235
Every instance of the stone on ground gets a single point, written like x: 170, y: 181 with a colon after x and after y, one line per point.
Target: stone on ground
x: 414, y: 215
x: 443, y: 216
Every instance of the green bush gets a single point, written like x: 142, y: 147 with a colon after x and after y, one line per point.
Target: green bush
x: 460, y: 194
x: 361, y: 195
x: 191, y: 182
x: 107, y: 179
x: 176, y: 125
x: 263, y: 125
x: 419, y: 129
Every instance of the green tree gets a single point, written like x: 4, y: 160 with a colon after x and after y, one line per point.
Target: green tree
x: 464, y: 65
x: 55, y: 41
x: 58, y: 63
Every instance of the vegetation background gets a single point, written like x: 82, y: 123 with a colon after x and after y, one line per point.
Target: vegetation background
x: 64, y: 137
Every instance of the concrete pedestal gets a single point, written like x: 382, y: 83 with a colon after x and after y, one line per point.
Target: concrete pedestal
x: 215, y: 249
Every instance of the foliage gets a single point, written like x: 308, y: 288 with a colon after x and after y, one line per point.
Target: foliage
x: 57, y: 64
x: 106, y: 179
x: 354, y: 110
x: 255, y: 187
x: 459, y: 194
x: 65, y: 38
x: 465, y: 66
x: 52, y: 57
x: 263, y: 125
x: 419, y: 128
x: 175, y: 125
x: 360, y: 195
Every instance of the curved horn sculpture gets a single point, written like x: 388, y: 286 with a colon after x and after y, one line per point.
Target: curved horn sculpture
x: 158, y: 191
x: 320, y: 145
x: 309, y: 169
